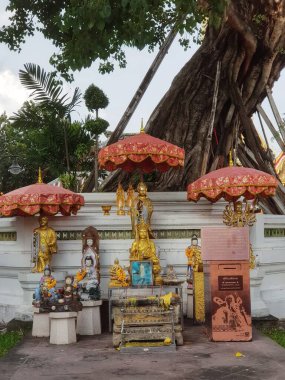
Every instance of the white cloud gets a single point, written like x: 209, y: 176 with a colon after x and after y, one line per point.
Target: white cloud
x: 12, y: 93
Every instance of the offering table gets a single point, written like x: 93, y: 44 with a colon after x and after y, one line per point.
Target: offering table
x: 141, y: 313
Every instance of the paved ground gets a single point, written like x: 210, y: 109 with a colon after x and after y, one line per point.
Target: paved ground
x: 94, y: 358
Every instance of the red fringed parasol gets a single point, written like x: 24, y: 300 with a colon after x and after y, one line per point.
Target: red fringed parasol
x: 40, y: 198
x: 232, y: 182
x: 141, y: 151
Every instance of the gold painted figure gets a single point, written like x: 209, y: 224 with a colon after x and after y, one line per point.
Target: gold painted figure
x: 118, y: 276
x: 237, y: 217
x: 142, y: 209
x: 130, y: 197
x: 144, y: 249
x: 120, y: 199
x: 44, y: 245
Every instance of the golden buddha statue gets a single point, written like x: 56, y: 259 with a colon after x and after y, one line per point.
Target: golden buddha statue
x: 118, y: 276
x: 144, y: 249
x: 44, y: 245
x: 141, y: 209
x: 120, y: 200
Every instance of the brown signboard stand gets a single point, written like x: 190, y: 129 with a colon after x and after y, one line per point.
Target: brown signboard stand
x: 225, y: 254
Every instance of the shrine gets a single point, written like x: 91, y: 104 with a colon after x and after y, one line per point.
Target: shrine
x: 142, y: 261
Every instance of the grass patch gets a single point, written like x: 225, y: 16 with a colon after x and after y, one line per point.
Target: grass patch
x: 275, y: 334
x: 9, y: 340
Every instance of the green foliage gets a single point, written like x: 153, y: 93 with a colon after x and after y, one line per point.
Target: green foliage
x: 96, y: 126
x: 47, y: 90
x: 9, y: 340
x: 275, y: 334
x: 38, y: 140
x: 95, y: 98
x: 100, y: 30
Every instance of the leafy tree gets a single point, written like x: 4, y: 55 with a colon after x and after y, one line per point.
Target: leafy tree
x: 47, y: 91
x: 245, y: 36
x: 95, y: 99
x: 40, y: 142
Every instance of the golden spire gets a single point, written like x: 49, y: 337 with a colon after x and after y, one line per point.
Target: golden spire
x: 142, y: 127
x: 40, y: 180
x: 231, y: 163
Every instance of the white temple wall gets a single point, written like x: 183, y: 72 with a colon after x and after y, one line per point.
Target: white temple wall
x: 174, y: 221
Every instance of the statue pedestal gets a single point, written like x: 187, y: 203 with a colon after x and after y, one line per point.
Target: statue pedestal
x: 189, y: 311
x: 41, y: 324
x: 29, y: 282
x: 62, y: 327
x: 89, y: 319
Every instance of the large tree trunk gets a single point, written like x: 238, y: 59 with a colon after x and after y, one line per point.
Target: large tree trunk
x: 250, y: 45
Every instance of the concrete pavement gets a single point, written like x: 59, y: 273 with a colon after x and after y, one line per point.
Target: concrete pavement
x: 94, y: 358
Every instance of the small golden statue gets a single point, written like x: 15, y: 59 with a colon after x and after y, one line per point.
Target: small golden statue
x: 144, y: 249
x: 235, y: 216
x: 141, y: 209
x: 120, y: 200
x: 130, y: 197
x: 44, y: 245
x: 118, y: 276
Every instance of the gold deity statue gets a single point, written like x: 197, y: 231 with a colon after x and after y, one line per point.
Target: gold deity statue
x: 195, y: 277
x: 44, y: 245
x: 236, y: 216
x: 144, y: 249
x: 118, y: 276
x: 120, y: 200
x: 141, y: 209
x: 130, y: 197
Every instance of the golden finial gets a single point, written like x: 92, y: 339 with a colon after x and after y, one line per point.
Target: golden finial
x: 142, y: 127
x: 40, y: 180
x: 231, y: 163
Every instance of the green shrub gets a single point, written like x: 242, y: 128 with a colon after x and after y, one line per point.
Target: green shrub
x: 9, y: 340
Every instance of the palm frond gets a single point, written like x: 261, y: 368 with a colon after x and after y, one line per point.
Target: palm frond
x: 46, y: 89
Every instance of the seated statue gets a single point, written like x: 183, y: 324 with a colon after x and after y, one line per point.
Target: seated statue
x: 86, y: 281
x: 90, y: 248
x: 68, y: 297
x: 118, y: 277
x: 44, y: 245
x: 170, y: 273
x: 141, y: 209
x: 144, y: 249
x: 45, y: 293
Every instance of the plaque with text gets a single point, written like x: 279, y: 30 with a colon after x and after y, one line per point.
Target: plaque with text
x: 230, y: 282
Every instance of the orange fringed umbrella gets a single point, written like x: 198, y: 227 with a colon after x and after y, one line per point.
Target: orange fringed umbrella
x: 141, y: 151
x: 40, y: 198
x: 232, y: 182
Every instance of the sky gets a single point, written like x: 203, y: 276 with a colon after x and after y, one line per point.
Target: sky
x: 119, y: 85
